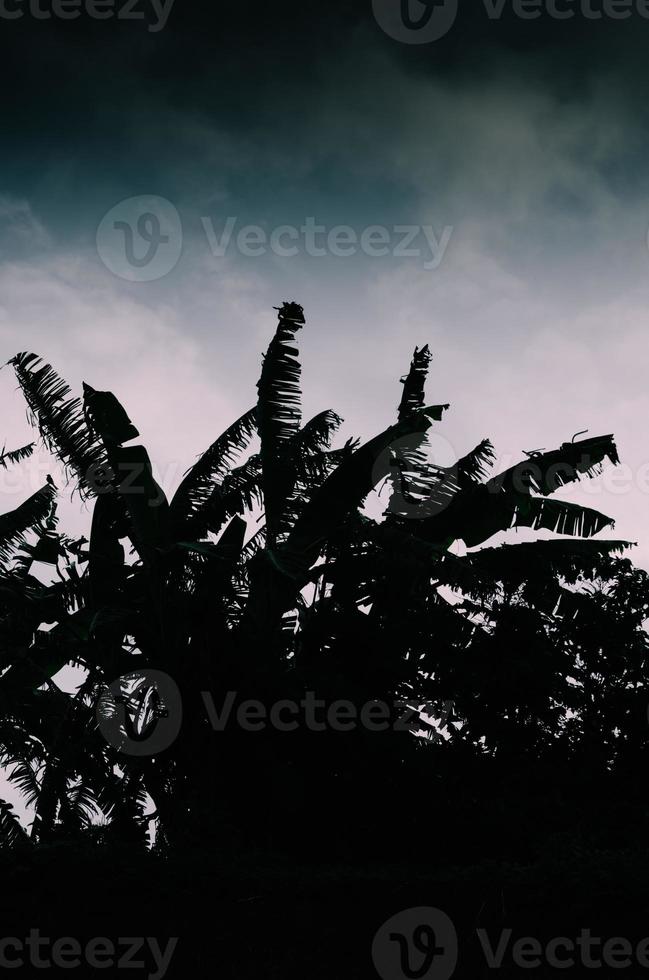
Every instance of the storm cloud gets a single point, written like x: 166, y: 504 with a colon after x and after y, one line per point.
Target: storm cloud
x: 525, y: 139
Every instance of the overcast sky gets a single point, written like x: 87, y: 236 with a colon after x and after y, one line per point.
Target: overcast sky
x: 516, y: 150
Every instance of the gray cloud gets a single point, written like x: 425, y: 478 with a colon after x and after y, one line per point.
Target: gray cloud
x: 534, y: 157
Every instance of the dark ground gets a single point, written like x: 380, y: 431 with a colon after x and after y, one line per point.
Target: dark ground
x: 271, y: 917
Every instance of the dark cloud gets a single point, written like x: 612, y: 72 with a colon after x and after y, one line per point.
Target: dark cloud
x: 528, y: 138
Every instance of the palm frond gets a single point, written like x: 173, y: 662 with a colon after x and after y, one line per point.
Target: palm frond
x: 80, y: 805
x: 11, y: 830
x: 474, y: 511
x: 561, y: 517
x: 241, y: 488
x: 413, y: 397
x: 239, y: 492
x: 308, y: 462
x: 545, y: 562
x: 256, y: 542
x: 31, y: 515
x: 474, y: 467
x: 24, y: 777
x: 315, y: 435
x: 429, y: 488
x: 7, y: 457
x: 60, y: 420
x: 546, y: 472
x: 279, y: 412
x: 194, y: 492
x: 349, y: 484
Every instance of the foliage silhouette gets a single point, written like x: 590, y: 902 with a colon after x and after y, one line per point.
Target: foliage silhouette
x: 267, y: 576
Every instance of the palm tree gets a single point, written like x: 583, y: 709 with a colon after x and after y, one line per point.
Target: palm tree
x: 36, y: 716
x: 265, y: 575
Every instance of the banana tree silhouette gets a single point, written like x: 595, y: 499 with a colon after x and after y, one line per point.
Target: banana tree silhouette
x: 36, y: 717
x: 265, y: 575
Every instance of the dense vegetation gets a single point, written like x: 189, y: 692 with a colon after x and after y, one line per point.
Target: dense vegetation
x: 265, y: 575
